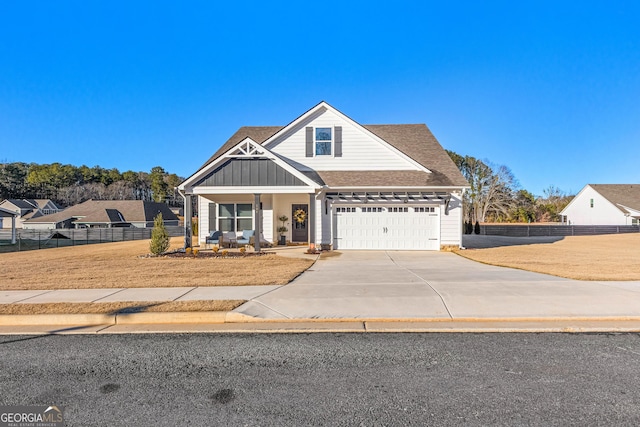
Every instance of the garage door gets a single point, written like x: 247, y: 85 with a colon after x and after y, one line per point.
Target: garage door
x: 387, y: 227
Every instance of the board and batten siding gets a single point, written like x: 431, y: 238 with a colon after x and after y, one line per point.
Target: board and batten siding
x: 451, y: 224
x: 359, y: 150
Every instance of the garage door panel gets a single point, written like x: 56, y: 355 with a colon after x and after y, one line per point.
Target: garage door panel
x: 394, y: 228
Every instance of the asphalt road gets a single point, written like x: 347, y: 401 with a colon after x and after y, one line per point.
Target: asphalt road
x: 327, y: 379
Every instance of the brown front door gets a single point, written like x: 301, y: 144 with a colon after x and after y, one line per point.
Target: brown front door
x: 299, y: 229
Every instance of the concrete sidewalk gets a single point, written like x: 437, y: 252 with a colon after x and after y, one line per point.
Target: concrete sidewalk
x: 134, y: 294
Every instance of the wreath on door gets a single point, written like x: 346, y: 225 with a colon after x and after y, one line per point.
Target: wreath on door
x: 300, y: 216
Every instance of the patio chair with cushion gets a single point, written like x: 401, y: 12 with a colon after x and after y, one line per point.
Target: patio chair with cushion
x: 246, y: 237
x: 213, y: 238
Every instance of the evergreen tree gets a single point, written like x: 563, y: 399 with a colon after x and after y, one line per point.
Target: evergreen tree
x: 159, y: 236
x: 476, y: 229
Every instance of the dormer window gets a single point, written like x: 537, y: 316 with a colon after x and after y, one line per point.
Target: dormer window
x: 323, y: 141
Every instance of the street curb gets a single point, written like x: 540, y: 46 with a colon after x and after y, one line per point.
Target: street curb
x: 56, y: 319
x: 231, y: 319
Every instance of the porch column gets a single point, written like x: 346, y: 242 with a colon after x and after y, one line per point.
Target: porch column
x: 188, y: 215
x: 312, y: 220
x: 13, y: 229
x: 258, y: 221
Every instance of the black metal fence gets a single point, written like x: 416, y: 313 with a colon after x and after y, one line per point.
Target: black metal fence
x: 532, y: 230
x: 43, y: 239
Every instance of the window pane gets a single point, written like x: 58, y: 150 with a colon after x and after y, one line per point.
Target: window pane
x: 323, y: 148
x: 226, y: 210
x: 245, y: 209
x: 226, y: 224
x: 245, y: 224
x: 323, y: 134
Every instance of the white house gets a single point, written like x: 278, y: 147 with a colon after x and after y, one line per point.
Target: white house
x: 604, y: 204
x: 340, y: 184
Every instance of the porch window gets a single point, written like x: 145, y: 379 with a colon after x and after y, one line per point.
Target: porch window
x: 323, y: 141
x: 235, y: 216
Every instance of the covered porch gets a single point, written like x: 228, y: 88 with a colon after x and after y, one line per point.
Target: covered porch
x: 276, y: 218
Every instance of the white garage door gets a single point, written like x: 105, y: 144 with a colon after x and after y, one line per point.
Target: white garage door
x: 387, y: 227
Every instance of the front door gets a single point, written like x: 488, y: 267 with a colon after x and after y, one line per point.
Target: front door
x: 299, y: 228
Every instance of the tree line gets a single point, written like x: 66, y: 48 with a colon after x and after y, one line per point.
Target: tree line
x: 70, y: 185
x: 496, y: 196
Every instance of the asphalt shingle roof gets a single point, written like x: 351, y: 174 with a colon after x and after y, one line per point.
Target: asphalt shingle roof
x: 414, y: 140
x: 110, y: 211
x: 620, y: 194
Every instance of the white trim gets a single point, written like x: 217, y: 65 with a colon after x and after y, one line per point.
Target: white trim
x: 321, y: 105
x: 630, y: 211
x: 332, y: 141
x: 252, y: 190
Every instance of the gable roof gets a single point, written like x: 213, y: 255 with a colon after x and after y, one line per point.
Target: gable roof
x: 7, y: 213
x: 414, y: 140
x: 30, y: 204
x: 23, y: 204
x: 109, y: 211
x: 621, y: 195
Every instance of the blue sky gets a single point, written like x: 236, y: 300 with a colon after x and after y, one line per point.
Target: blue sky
x: 549, y: 88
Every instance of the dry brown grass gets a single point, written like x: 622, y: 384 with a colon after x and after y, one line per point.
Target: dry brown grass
x: 606, y: 257
x: 120, y: 307
x: 118, y: 265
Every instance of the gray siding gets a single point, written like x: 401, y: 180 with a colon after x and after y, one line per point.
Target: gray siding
x: 250, y: 172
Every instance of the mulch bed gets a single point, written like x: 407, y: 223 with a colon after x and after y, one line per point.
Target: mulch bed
x: 217, y: 255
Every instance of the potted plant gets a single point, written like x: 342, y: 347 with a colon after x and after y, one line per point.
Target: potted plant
x: 283, y: 229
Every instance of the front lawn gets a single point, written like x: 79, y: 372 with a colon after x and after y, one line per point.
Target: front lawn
x: 119, y: 265
x: 605, y: 257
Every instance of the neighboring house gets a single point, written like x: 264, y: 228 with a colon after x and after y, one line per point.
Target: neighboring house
x: 604, y: 204
x: 105, y: 214
x: 10, y: 216
x: 350, y: 186
x: 28, y: 208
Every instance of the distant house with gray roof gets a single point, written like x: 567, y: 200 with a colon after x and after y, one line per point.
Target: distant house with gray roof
x: 27, y: 209
x: 105, y: 214
x: 339, y: 183
x: 604, y: 204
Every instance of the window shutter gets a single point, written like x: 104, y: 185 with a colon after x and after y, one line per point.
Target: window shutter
x: 309, y: 142
x: 338, y: 143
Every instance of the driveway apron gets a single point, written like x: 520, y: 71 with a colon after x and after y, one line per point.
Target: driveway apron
x: 437, y: 285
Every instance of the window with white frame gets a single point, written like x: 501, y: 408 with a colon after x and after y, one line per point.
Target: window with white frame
x: 235, y: 216
x: 323, y: 141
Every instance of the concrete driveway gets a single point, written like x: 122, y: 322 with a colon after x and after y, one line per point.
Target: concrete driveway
x: 416, y: 284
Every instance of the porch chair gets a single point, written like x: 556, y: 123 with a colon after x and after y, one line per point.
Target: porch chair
x: 214, y: 238
x: 246, y: 237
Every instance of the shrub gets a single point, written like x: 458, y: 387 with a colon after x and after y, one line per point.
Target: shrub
x: 476, y: 229
x: 215, y: 249
x: 225, y: 252
x: 195, y: 252
x: 187, y: 251
x: 159, y: 237
x: 243, y: 250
